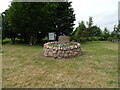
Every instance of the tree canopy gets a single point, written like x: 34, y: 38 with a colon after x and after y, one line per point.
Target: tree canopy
x: 32, y: 21
x: 87, y: 31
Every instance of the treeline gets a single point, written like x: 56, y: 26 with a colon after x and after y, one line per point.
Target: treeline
x: 31, y: 21
x: 90, y: 32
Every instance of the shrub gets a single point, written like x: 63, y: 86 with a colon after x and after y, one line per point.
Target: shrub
x: 5, y: 41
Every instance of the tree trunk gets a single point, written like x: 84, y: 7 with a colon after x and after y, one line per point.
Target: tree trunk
x: 32, y: 40
x: 13, y: 40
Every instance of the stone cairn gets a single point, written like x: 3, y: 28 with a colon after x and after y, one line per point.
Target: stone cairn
x: 62, y: 52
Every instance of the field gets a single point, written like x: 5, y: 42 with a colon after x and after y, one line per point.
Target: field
x: 25, y: 66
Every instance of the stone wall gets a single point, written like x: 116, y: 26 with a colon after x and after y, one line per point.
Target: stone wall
x: 61, y: 52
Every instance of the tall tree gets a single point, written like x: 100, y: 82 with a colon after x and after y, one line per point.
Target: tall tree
x: 89, y: 31
x: 89, y: 26
x: 7, y: 32
x: 90, y: 22
x: 33, y: 21
x: 80, y: 30
x: 95, y: 31
x: 106, y: 33
x: 116, y: 32
x: 63, y: 18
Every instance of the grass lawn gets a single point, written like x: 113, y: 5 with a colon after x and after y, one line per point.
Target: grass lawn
x: 25, y: 66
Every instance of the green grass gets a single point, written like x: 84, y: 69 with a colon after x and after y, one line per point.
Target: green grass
x: 25, y: 66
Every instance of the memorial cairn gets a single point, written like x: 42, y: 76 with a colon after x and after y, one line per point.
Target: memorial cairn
x: 62, y: 48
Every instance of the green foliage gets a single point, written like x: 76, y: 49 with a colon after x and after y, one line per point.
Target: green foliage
x: 5, y: 41
x: 87, y: 33
x: 95, y: 31
x: 116, y: 32
x: 106, y: 34
x: 64, y: 18
x: 112, y: 82
x: 80, y: 30
x: 90, y: 22
x: 32, y: 21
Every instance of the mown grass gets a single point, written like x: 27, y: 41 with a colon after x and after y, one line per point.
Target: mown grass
x: 25, y: 66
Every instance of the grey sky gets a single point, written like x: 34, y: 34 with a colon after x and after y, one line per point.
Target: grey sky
x: 104, y: 12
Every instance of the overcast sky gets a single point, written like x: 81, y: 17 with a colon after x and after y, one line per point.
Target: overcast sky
x: 104, y: 12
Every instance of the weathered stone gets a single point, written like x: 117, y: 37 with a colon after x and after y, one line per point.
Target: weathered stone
x: 71, y: 47
x: 75, y: 53
x: 50, y: 54
x: 70, y: 55
x: 64, y: 48
x: 62, y: 52
x: 63, y: 39
x: 78, y: 50
x: 59, y: 57
x: 65, y: 55
x: 75, y: 46
x: 53, y: 48
x: 54, y: 52
x: 58, y: 48
x: 47, y: 47
x: 45, y: 54
x: 67, y: 52
x: 55, y: 55
x: 71, y: 51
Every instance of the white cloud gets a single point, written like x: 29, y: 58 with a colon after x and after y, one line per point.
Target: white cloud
x: 104, y: 12
x: 4, y: 5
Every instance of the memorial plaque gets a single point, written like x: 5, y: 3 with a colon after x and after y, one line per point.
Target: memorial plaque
x: 51, y: 35
x: 63, y: 39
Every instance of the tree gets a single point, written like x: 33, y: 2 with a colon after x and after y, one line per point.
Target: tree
x: 95, y: 31
x: 6, y: 30
x: 89, y: 26
x: 87, y: 32
x: 106, y: 33
x: 80, y: 30
x: 33, y: 20
x: 63, y: 18
x: 90, y: 22
x: 60, y: 18
x: 116, y: 32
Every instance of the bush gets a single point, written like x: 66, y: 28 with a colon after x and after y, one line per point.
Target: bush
x: 82, y: 40
x: 113, y: 39
x: 95, y: 38
x: 85, y: 39
x: 5, y: 41
x: 89, y: 39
